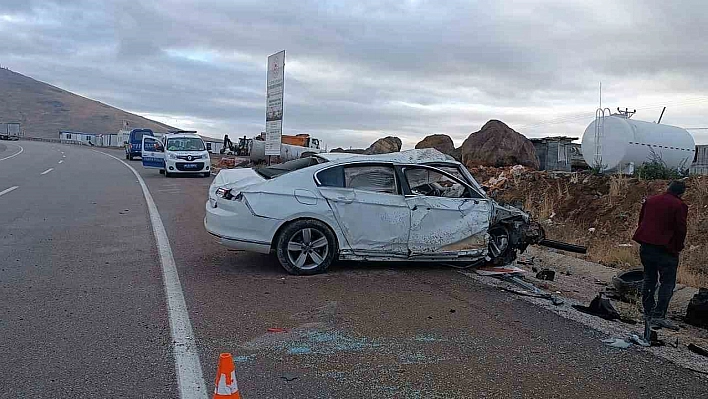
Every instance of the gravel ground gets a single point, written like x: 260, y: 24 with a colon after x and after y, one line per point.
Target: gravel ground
x: 578, y: 282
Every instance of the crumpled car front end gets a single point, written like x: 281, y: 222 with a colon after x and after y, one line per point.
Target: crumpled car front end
x: 511, y: 231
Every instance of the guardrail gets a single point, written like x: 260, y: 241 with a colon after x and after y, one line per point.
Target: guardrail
x: 62, y: 141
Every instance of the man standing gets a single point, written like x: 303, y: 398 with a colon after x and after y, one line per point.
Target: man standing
x: 661, y: 233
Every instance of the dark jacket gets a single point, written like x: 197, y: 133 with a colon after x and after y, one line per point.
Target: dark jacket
x: 662, y: 222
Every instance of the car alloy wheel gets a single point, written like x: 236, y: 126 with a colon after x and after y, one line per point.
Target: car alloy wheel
x: 306, y: 247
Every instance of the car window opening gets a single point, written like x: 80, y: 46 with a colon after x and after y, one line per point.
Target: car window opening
x: 434, y: 184
x: 380, y: 179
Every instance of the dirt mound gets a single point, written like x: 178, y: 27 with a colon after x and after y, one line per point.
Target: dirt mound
x: 496, y: 144
x: 440, y: 142
x: 602, y: 212
x: 384, y: 146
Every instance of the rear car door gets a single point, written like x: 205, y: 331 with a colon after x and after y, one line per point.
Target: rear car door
x: 368, y: 206
x: 152, y: 153
x: 448, y: 217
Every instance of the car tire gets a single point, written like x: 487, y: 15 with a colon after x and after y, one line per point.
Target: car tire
x: 306, y: 247
x: 167, y: 174
x: 162, y: 171
x: 206, y: 174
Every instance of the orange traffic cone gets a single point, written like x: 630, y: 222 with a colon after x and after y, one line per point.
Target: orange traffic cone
x: 226, y: 386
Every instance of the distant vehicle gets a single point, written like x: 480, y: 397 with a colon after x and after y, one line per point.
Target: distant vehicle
x: 11, y: 132
x: 133, y: 147
x: 291, y: 147
x: 416, y: 205
x: 176, y: 153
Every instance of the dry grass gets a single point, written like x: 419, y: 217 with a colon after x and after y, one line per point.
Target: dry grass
x: 610, y: 254
x: 618, y: 187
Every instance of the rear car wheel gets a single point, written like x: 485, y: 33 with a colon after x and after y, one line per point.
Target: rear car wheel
x: 306, y: 247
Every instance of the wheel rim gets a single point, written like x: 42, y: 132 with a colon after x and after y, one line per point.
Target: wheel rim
x: 307, y: 248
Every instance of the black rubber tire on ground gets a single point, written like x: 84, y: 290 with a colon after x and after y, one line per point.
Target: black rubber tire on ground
x: 295, y: 229
x: 162, y: 171
x: 167, y: 174
x: 206, y: 174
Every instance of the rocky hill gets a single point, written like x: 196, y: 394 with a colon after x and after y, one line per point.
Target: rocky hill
x: 44, y: 110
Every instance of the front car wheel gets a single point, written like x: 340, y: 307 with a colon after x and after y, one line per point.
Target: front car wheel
x: 306, y: 247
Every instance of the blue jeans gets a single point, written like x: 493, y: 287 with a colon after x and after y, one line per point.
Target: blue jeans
x: 659, y: 266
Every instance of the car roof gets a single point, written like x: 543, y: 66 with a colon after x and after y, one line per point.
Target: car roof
x: 419, y: 156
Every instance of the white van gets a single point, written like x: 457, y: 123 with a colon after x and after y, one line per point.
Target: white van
x: 177, y: 153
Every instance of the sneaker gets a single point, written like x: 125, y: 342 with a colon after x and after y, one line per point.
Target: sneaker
x: 664, y: 323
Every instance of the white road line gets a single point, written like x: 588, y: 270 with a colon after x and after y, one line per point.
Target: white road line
x: 15, y: 154
x: 61, y: 161
x: 189, y: 370
x: 63, y: 156
x: 3, y: 192
x: 47, y: 171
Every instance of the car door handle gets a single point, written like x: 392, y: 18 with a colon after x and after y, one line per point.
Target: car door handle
x: 345, y: 200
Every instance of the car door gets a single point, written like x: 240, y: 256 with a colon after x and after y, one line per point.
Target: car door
x: 367, y: 203
x: 448, y: 217
x: 152, y: 153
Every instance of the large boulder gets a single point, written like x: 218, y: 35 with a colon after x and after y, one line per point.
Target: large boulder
x: 440, y: 142
x: 384, y: 146
x: 496, y: 144
x: 348, y: 151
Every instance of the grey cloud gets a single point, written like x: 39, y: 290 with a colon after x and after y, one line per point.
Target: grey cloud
x: 364, y: 68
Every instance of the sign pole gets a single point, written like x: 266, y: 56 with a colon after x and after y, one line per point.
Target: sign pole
x: 274, y: 104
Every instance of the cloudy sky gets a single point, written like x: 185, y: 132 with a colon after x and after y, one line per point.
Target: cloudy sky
x: 359, y: 70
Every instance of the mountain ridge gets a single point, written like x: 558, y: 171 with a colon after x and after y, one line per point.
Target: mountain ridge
x: 44, y: 109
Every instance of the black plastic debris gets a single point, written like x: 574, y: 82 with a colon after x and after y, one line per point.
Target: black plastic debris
x: 698, y: 350
x: 600, y: 307
x: 629, y: 283
x: 546, y: 274
x: 697, y: 311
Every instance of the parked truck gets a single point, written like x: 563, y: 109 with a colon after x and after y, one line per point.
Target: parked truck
x: 291, y: 147
x: 11, y: 131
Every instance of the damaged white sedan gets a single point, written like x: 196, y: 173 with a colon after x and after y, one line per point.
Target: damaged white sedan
x: 417, y: 205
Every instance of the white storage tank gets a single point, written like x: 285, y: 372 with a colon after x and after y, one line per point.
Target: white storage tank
x: 627, y: 143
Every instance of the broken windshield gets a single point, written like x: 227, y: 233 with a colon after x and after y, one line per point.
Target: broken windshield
x: 270, y: 172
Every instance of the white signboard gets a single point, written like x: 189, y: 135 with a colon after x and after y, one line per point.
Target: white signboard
x: 274, y: 103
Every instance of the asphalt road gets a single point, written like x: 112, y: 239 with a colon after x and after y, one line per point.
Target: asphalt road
x: 83, y: 314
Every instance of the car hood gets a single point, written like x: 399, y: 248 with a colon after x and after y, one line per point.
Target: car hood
x: 504, y: 212
x: 236, y: 179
